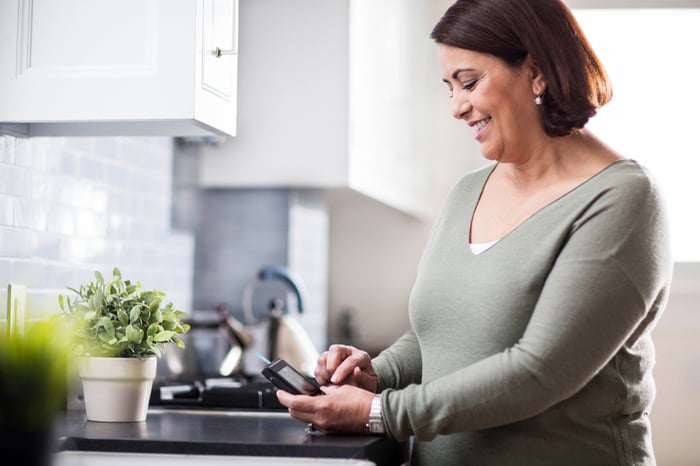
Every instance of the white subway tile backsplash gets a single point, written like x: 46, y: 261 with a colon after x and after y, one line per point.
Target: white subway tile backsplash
x: 15, y: 242
x: 70, y: 206
x: 5, y: 175
x: 5, y: 278
x: 79, y: 144
x: 15, y: 181
x: 32, y: 274
x: 30, y: 214
x: 91, y: 169
x: 66, y: 163
x: 23, y: 156
x: 90, y: 224
x: 7, y: 210
x: 47, y: 246
x: 116, y: 175
x: 60, y: 219
x: 105, y: 147
x: 39, y: 186
x: 7, y: 150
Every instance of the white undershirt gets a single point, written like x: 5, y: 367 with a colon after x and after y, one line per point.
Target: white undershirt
x: 478, y: 248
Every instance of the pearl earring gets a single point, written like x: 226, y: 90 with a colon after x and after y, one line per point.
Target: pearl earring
x: 538, y: 100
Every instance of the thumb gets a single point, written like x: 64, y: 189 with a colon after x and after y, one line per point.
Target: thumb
x: 360, y: 377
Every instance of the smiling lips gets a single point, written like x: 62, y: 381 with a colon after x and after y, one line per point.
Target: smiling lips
x: 480, y: 125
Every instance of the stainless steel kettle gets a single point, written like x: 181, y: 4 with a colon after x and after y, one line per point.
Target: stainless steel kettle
x: 285, y: 336
x: 238, y: 337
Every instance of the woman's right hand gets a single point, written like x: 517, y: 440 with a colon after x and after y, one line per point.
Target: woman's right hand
x: 346, y: 365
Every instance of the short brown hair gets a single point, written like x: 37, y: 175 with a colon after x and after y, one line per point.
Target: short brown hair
x: 577, y: 83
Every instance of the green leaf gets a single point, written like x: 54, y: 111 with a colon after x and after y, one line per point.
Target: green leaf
x: 119, y: 318
x: 178, y: 342
x: 123, y: 317
x: 164, y: 336
x: 153, y: 329
x: 156, y: 316
x: 135, y: 313
x: 106, y: 324
x: 134, y: 334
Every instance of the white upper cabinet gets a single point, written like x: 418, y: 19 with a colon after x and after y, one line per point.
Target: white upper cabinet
x: 332, y: 94
x: 118, y: 67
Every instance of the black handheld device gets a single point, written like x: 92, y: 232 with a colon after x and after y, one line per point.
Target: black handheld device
x: 287, y: 378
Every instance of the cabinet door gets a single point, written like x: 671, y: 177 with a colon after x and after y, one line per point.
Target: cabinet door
x: 333, y: 95
x: 292, y: 99
x: 389, y: 117
x: 216, y: 86
x: 126, y: 67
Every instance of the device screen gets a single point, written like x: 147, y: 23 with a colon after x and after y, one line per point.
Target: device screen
x: 297, y: 380
x: 284, y: 376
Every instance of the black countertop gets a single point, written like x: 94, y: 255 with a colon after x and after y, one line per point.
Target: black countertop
x: 221, y: 432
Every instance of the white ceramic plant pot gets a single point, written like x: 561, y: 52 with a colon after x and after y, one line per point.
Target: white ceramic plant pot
x: 117, y: 389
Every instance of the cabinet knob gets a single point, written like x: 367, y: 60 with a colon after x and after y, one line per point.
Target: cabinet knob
x: 217, y: 52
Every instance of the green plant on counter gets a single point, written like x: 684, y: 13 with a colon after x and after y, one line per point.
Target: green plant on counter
x: 117, y: 318
x: 33, y: 372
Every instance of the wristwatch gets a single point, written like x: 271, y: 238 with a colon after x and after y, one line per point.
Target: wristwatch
x: 375, y: 422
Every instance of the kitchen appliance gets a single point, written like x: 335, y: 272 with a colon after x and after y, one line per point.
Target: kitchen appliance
x: 238, y: 337
x: 278, y: 333
x: 213, y: 347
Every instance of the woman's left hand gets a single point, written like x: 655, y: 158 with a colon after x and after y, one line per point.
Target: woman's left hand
x: 343, y: 409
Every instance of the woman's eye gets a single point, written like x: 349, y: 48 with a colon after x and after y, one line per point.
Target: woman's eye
x: 469, y: 85
x: 466, y: 85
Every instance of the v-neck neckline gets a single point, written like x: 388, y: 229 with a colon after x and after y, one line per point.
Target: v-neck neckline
x: 535, y: 213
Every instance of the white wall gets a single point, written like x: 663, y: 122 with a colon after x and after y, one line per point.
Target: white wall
x: 677, y: 408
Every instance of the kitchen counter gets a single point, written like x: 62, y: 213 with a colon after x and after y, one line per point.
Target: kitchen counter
x: 221, y: 432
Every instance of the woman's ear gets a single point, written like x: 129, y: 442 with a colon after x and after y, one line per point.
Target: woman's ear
x: 539, y: 85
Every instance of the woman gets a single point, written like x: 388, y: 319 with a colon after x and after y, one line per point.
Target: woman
x: 542, y: 278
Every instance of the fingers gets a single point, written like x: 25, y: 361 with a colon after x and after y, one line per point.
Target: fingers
x: 365, y: 379
x: 342, y: 409
x: 352, y: 360
x: 346, y: 365
x: 329, y: 362
x: 323, y: 376
x: 300, y: 407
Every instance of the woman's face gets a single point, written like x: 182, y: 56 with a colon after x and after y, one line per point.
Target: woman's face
x: 496, y: 100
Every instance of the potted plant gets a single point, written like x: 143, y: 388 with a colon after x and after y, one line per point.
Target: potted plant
x: 33, y: 373
x: 119, y: 331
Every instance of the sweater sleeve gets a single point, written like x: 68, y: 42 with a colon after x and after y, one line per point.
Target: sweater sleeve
x: 603, y: 292
x: 400, y: 364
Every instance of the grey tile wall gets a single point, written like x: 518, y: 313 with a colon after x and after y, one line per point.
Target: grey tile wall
x: 239, y: 231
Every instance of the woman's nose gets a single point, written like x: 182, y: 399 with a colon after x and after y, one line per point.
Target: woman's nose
x: 460, y: 106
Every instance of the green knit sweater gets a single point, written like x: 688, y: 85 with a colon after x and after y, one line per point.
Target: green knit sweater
x: 538, y: 350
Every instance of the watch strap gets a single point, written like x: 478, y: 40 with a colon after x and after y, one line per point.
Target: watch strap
x: 375, y: 423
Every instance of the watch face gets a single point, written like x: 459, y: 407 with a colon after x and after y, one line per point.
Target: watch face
x: 376, y: 427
